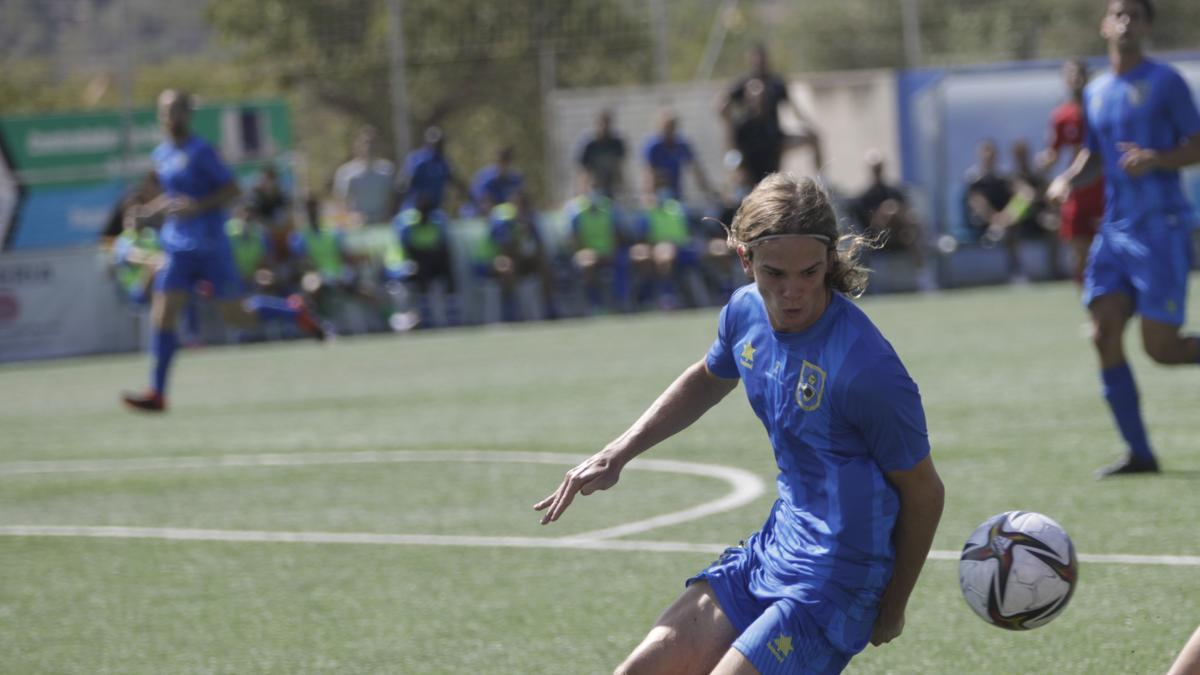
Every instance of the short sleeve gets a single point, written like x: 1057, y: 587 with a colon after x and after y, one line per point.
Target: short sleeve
x: 213, y: 167
x: 1091, y: 140
x: 720, y: 355
x: 650, y: 151
x: 884, y: 404
x: 1181, y: 107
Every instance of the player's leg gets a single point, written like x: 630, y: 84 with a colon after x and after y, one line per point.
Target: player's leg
x: 1162, y: 280
x: 246, y: 313
x: 784, y: 639
x: 1164, y: 343
x: 691, y: 636
x: 1110, y: 314
x: 1109, y: 290
x: 171, y: 285
x: 165, y: 308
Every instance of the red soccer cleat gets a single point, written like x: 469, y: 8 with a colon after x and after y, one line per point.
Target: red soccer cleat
x: 305, y: 318
x: 147, y: 402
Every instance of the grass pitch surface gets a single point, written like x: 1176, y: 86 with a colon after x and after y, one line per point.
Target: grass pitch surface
x: 1015, y: 416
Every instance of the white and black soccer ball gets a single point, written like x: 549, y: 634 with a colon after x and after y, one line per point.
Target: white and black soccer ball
x: 1018, y: 570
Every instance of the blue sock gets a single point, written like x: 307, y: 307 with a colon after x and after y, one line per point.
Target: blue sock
x: 271, y: 309
x: 1122, y: 395
x: 162, y: 346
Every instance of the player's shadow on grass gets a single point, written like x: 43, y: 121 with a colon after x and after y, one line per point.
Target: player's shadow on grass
x: 1181, y: 474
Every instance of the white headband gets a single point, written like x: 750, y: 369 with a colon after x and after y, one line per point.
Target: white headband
x: 756, y: 242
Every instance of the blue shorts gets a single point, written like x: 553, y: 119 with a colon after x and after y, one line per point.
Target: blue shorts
x: 184, y: 268
x: 1150, y: 265
x: 779, y: 636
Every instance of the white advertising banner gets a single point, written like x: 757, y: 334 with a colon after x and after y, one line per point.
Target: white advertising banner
x: 61, y: 303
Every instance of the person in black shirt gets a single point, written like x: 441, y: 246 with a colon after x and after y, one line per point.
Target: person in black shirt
x: 750, y: 109
x: 602, y: 157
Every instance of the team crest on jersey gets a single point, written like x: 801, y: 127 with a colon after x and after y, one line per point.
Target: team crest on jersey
x: 810, y: 387
x: 747, y: 357
x: 1139, y: 92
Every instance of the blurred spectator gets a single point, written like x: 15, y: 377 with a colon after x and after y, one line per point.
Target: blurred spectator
x: 1026, y: 211
x: 330, y: 274
x: 424, y: 235
x: 750, y: 110
x: 883, y: 214
x: 986, y: 197
x: 365, y: 185
x: 136, y: 257
x: 1080, y: 213
x: 596, y: 243
x: 426, y: 173
x: 267, y: 200
x: 270, y: 206
x: 249, y: 242
x: 496, y: 183
x: 668, y: 152
x: 666, y: 250
x: 141, y: 193
x: 602, y: 157
x: 513, y: 250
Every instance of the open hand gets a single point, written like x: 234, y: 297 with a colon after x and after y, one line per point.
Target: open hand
x: 599, y: 472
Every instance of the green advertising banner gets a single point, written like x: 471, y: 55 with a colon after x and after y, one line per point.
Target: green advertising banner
x: 61, y: 175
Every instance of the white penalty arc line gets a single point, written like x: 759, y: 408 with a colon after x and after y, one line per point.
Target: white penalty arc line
x: 746, y: 487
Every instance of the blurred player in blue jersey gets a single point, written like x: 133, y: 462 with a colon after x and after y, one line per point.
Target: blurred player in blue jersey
x: 859, y: 498
x: 1142, y: 128
x: 197, y: 187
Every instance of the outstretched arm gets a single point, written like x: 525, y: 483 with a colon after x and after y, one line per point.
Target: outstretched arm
x: 1188, y: 661
x: 684, y: 402
x: 921, y: 498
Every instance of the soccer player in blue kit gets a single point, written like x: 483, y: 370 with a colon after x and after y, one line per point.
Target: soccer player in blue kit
x: 1142, y: 128
x: 197, y: 187
x: 859, y: 498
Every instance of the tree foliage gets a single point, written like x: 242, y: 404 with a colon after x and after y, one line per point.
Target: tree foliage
x: 473, y: 68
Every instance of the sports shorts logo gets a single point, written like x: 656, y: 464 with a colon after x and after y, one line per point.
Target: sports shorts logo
x: 810, y: 387
x: 780, y: 647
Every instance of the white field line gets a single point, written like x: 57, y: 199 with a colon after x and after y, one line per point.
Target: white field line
x: 575, y: 543
x: 746, y: 488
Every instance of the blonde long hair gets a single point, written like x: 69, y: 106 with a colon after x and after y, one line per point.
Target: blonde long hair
x: 783, y: 204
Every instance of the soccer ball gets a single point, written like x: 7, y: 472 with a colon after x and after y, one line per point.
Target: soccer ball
x: 1018, y: 570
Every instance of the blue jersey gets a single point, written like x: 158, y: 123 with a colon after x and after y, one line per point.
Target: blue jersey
x: 427, y: 172
x: 669, y: 158
x: 1151, y: 107
x: 840, y: 410
x: 194, y: 170
x: 491, y: 184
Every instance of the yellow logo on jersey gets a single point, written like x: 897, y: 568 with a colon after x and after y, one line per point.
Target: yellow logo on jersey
x: 810, y: 386
x: 748, y: 354
x: 780, y: 647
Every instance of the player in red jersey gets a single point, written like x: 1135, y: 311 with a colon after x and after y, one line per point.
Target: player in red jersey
x: 1081, y: 212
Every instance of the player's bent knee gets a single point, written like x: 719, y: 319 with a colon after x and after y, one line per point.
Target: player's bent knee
x: 657, y: 651
x: 1162, y: 350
